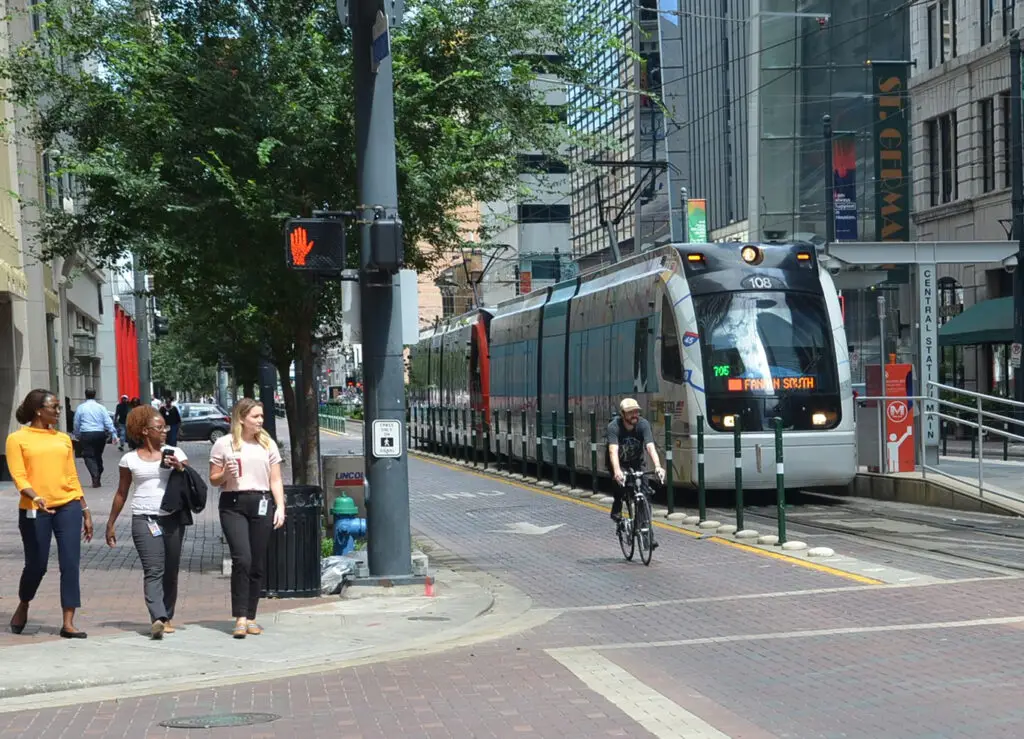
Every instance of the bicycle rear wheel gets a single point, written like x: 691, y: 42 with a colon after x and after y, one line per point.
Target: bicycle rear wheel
x: 625, y: 528
x: 643, y: 529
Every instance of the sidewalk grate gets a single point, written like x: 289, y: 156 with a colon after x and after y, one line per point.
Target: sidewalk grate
x: 219, y: 720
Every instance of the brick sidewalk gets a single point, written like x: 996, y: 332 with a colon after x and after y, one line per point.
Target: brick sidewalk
x: 112, y: 599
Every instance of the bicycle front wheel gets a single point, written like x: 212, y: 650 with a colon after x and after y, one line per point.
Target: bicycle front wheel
x: 625, y: 530
x: 643, y: 529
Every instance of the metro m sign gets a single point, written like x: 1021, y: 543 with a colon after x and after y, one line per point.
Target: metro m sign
x: 315, y: 245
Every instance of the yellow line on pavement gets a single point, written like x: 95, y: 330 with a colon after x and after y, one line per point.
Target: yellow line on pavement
x: 668, y: 527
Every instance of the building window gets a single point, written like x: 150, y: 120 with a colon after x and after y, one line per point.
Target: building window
x: 988, y: 154
x: 947, y: 158
x: 447, y: 304
x: 934, y: 164
x: 987, y: 7
x: 547, y: 269
x: 947, y: 29
x: 542, y: 213
x: 1008, y: 16
x: 933, y: 36
x: 541, y: 164
x: 47, y: 180
x: 1004, y: 104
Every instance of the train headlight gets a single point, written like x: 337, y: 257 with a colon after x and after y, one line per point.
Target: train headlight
x: 751, y: 254
x: 729, y: 422
x: 819, y: 419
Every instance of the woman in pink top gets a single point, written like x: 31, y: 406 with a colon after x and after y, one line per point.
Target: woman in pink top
x: 246, y: 466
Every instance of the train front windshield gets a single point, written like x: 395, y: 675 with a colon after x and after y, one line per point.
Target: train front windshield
x: 767, y: 355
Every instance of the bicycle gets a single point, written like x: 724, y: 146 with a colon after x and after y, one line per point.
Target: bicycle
x: 636, y: 527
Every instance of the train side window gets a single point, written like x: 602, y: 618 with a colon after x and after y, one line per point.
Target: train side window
x: 671, y: 351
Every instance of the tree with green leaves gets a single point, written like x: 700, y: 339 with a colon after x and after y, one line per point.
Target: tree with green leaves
x: 196, y: 127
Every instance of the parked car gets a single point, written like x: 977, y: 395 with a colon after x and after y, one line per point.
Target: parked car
x: 202, y: 422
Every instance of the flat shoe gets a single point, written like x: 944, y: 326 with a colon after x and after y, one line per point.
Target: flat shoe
x: 168, y: 629
x: 157, y: 630
x: 65, y: 634
x: 254, y: 629
x: 239, y: 632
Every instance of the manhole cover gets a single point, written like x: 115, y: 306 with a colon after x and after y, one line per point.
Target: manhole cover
x: 219, y: 720
x: 428, y: 618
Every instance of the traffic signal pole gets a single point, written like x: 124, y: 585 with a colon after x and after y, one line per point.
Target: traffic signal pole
x: 1017, y: 204
x: 387, y: 510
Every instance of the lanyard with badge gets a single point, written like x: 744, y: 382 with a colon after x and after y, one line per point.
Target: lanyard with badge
x: 154, y: 527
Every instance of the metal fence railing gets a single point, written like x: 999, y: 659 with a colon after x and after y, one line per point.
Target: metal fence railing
x: 975, y: 414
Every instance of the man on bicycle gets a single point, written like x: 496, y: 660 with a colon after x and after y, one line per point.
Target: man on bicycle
x: 628, y: 435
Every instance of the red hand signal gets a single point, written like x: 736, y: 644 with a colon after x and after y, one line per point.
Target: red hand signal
x: 301, y: 246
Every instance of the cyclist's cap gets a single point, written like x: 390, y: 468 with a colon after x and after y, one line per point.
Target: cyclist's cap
x: 627, y: 405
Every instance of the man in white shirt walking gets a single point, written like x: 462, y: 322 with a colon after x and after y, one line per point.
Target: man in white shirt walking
x: 92, y: 429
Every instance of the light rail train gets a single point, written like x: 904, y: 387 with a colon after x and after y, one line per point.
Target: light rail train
x: 733, y: 333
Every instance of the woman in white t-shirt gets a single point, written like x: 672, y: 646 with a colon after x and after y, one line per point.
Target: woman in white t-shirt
x: 157, y: 534
x: 246, y: 466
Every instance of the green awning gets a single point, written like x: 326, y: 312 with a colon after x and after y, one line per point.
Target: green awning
x: 987, y: 322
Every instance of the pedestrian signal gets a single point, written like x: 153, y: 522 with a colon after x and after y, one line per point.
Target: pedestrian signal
x: 315, y: 245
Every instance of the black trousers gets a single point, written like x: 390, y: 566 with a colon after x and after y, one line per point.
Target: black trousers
x: 93, y: 444
x: 248, y: 535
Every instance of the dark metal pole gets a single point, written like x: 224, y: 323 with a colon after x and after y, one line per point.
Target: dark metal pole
x: 389, y: 541
x: 268, y: 384
x: 1017, y: 200
x: 142, y: 330
x: 830, y: 198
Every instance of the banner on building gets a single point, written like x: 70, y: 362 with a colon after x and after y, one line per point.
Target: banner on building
x: 891, y: 136
x: 844, y: 186
x: 697, y: 221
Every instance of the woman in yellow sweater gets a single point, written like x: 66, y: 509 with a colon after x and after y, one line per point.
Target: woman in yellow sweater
x: 52, y: 504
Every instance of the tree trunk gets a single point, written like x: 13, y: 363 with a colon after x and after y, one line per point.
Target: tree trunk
x: 249, y: 389
x: 306, y: 463
x: 290, y: 413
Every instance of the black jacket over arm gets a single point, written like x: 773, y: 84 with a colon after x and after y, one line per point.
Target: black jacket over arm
x: 186, y: 494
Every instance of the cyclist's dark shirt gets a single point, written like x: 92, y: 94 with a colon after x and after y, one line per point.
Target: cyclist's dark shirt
x: 632, y: 444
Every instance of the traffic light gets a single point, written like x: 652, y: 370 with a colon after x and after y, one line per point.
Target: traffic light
x: 315, y: 244
x: 160, y: 325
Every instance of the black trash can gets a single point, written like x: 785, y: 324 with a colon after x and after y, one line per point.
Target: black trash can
x: 293, y: 556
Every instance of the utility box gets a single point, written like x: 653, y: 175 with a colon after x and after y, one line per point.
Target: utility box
x: 343, y: 474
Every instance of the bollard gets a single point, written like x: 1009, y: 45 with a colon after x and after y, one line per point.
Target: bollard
x: 508, y: 439
x: 702, y: 510
x: 457, y: 438
x: 780, y: 482
x: 944, y: 428
x: 570, y: 448
x: 540, y: 446
x: 474, y: 438
x: 669, y: 492
x: 434, y: 446
x: 497, y: 438
x: 466, y: 436
x: 522, y: 459
x: 1006, y: 442
x: 593, y: 452
x: 486, y: 430
x: 738, y: 452
x: 554, y: 447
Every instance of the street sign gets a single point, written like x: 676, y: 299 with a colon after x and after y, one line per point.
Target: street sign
x: 387, y: 439
x: 1015, y: 351
x: 315, y: 244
